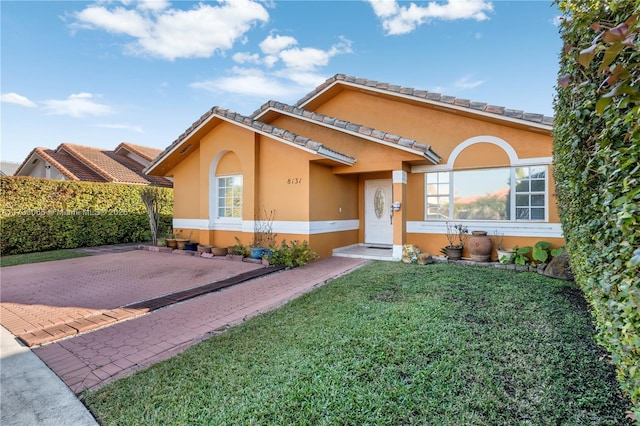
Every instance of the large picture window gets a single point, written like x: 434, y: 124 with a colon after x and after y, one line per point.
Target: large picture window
x: 502, y: 194
x: 230, y: 197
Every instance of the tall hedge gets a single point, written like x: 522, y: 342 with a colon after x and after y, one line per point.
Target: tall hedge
x: 597, y: 170
x: 44, y: 214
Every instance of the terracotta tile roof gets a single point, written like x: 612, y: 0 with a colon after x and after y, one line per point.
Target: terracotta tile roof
x: 259, y: 126
x: 70, y: 167
x: 343, y: 125
x: 112, y: 167
x: 431, y: 97
x: 145, y: 152
x: 83, y: 163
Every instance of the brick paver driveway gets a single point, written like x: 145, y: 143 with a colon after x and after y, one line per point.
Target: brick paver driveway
x: 73, y: 295
x: 83, y: 289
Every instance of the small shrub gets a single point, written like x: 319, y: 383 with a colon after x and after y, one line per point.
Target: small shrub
x: 292, y: 254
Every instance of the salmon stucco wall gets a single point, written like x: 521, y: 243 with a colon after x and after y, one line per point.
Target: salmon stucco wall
x: 186, y: 183
x: 441, y: 129
x: 283, y: 183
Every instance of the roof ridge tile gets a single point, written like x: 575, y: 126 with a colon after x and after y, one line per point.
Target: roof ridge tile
x: 423, y: 94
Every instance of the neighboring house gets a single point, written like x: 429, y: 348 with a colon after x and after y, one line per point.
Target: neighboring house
x: 8, y: 168
x: 82, y: 163
x: 358, y: 162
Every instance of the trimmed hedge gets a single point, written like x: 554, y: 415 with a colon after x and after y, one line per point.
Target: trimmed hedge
x: 43, y: 214
x: 597, y: 170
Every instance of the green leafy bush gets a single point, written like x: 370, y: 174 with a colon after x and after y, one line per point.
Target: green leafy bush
x: 292, y: 254
x: 597, y: 170
x: 43, y: 214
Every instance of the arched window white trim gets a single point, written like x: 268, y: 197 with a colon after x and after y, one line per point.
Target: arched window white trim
x: 225, y: 198
x: 527, y: 198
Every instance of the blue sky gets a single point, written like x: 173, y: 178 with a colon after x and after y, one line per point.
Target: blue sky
x: 100, y: 73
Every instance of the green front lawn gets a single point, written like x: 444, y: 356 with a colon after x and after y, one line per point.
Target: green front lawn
x: 390, y: 344
x: 44, y: 256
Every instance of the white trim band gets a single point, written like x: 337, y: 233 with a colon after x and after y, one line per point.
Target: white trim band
x: 508, y: 229
x: 281, y: 227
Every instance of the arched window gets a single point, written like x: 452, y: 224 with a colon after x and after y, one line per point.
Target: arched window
x: 515, y: 191
x: 229, y: 197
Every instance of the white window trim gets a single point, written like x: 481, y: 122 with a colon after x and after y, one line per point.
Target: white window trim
x: 225, y: 220
x: 512, y: 196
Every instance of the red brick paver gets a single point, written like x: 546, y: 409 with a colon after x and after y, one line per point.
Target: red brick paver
x: 92, y: 359
x: 46, y: 301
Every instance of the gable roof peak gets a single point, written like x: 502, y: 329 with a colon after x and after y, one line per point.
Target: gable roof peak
x: 354, y: 128
x: 432, y: 97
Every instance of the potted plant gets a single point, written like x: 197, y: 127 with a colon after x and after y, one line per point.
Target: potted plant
x: 171, y: 240
x: 504, y: 254
x: 239, y: 251
x: 219, y: 251
x: 204, y: 248
x: 456, y: 235
x: 263, y: 235
x: 181, y: 242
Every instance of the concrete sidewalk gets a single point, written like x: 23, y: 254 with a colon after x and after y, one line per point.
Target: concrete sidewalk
x: 31, y: 393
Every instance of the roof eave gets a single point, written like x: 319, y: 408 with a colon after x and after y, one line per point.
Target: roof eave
x: 534, y: 125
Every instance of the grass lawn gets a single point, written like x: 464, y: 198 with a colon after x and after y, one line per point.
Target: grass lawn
x: 390, y: 344
x: 44, y: 256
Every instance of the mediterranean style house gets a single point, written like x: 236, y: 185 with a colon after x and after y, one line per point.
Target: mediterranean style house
x: 363, y: 166
x: 74, y: 162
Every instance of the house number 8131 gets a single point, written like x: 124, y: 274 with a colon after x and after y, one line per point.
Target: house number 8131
x: 294, y: 181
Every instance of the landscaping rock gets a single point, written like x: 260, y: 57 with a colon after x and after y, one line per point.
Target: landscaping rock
x: 410, y: 253
x: 424, y: 259
x: 559, y: 268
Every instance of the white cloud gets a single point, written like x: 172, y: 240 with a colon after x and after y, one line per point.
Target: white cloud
x: 274, y: 44
x: 309, y: 58
x: 131, y: 128
x: 14, y: 98
x: 290, y: 71
x: 249, y: 82
x: 77, y: 105
x: 467, y: 83
x: 169, y: 33
x: 153, y: 5
x: 118, y: 21
x: 398, y: 19
x: 243, y: 58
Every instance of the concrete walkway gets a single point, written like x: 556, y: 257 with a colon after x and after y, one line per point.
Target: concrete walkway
x: 92, y: 359
x: 31, y: 393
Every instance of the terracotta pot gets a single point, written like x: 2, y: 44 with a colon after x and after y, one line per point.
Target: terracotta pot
x: 181, y: 242
x: 219, y: 251
x: 479, y: 245
x: 454, y: 253
x: 204, y: 248
x: 172, y: 243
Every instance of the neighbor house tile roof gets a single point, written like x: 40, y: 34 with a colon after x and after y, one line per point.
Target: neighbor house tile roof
x: 428, y: 96
x: 340, y: 124
x: 145, y: 152
x: 66, y: 164
x: 83, y: 163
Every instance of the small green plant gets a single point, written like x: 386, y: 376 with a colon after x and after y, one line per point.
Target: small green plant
x: 520, y: 255
x: 239, y: 249
x: 292, y: 254
x: 542, y: 252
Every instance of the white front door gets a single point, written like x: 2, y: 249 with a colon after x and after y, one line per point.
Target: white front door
x: 378, y: 197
